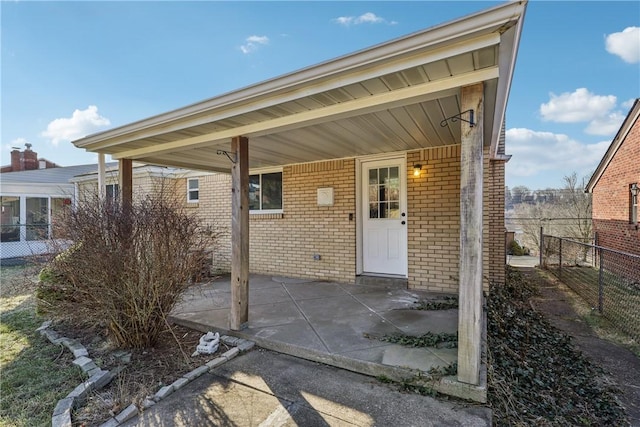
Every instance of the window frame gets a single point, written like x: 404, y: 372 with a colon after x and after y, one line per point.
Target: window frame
x: 267, y: 171
x: 634, y: 195
x: 190, y: 190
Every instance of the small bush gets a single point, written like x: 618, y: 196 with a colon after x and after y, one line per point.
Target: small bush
x: 515, y: 249
x: 127, y: 266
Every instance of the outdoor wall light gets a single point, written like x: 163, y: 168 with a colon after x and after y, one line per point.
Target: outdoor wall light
x: 635, y: 190
x: 416, y: 170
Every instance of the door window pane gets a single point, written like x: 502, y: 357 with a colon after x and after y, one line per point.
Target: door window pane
x: 10, y: 222
x: 384, y: 192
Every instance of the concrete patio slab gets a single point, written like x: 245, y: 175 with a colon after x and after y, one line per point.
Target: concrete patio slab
x: 279, y: 313
x: 418, y: 322
x: 302, y: 291
x: 333, y: 323
x: 379, y: 301
x: 295, y: 334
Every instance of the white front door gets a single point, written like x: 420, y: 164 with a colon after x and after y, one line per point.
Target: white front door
x: 384, y: 217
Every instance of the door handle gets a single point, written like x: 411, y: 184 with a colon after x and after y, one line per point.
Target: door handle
x: 403, y: 222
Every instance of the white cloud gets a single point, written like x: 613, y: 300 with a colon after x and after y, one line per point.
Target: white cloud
x: 365, y: 18
x: 605, y: 126
x: 628, y: 104
x: 539, y: 154
x: 579, y: 106
x: 17, y: 143
x: 253, y: 42
x: 625, y: 44
x: 80, y: 124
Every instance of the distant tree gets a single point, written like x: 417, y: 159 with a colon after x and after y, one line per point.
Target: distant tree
x: 576, y: 204
x: 564, y: 212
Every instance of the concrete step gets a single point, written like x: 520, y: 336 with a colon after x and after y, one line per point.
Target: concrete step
x: 388, y: 282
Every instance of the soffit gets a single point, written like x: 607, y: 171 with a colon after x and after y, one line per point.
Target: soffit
x: 388, y: 101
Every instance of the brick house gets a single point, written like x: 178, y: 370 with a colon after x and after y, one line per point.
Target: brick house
x: 388, y: 162
x: 615, y: 186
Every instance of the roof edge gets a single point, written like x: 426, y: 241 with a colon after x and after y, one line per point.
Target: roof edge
x: 625, y: 128
x: 445, y: 32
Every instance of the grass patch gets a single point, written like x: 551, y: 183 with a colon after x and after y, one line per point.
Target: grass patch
x: 602, y: 326
x: 35, y: 373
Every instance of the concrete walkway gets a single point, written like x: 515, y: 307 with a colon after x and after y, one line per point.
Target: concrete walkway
x: 331, y: 323
x: 264, y: 388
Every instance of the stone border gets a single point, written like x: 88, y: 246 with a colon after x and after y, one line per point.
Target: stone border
x: 98, y: 378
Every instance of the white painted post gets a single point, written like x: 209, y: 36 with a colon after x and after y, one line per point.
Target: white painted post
x: 470, y: 267
x: 101, y: 176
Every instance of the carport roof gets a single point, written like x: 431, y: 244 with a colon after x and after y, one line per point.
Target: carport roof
x: 390, y: 97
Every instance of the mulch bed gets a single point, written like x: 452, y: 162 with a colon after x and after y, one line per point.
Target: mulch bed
x: 145, y: 373
x: 536, y: 374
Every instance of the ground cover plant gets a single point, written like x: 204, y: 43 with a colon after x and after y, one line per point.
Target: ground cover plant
x: 535, y: 374
x: 35, y: 374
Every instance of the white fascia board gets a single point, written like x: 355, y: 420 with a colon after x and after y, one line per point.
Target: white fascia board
x: 445, y: 33
x: 507, y: 55
x: 373, y: 103
x: 36, y: 189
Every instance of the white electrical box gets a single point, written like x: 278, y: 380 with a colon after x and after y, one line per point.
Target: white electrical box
x: 325, y: 196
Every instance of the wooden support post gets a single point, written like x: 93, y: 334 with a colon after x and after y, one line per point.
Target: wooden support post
x: 126, y: 182
x: 239, y: 234
x: 470, y: 268
x: 102, y: 189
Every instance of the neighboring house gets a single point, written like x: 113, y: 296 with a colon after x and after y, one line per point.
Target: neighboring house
x: 388, y: 162
x: 615, y: 186
x: 30, y: 200
x: 26, y: 160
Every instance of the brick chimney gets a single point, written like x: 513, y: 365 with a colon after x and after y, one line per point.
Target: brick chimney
x: 25, y: 160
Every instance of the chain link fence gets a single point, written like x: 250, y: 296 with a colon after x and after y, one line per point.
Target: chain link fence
x: 607, y: 279
x: 22, y: 243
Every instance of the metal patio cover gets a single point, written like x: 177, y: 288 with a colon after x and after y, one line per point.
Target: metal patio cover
x: 390, y: 97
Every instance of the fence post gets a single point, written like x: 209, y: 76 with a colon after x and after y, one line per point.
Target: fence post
x: 600, y: 283
x: 541, y: 245
x: 560, y: 258
x: 595, y: 244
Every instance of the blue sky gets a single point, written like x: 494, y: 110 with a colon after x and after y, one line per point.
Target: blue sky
x: 74, y: 68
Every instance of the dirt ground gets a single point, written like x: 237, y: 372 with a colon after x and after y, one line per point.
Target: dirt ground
x: 621, y: 365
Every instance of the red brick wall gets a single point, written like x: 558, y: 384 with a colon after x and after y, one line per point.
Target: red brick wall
x: 611, y: 197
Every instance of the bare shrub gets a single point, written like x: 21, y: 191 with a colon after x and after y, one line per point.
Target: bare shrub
x: 126, y: 265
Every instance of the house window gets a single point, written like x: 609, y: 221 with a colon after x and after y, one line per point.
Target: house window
x: 10, y: 219
x: 193, y: 190
x: 113, y: 192
x: 265, y: 192
x: 634, y: 193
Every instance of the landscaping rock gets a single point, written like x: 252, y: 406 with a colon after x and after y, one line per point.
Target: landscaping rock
x: 64, y: 406
x: 216, y: 362
x: 197, y: 372
x: 128, y: 413
x: 230, y: 354
x: 62, y: 420
x: 163, y: 392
